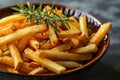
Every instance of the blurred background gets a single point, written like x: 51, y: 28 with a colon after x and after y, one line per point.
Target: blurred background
x: 106, y: 11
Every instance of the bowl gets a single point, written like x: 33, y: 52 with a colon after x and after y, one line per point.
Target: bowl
x: 76, y: 73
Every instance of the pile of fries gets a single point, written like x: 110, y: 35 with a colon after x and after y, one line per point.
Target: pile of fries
x: 27, y: 48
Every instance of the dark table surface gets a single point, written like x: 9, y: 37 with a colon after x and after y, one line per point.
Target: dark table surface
x: 105, y: 10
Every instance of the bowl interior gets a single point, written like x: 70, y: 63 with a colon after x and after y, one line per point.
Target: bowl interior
x: 92, y: 22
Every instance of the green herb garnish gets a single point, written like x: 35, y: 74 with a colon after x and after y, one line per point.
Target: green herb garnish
x: 39, y: 16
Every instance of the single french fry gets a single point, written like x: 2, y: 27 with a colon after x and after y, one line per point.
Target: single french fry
x: 24, y: 42
x: 7, y: 61
x: 75, y: 42
x: 53, y: 36
x: 53, y: 66
x: 83, y: 25
x: 91, y: 48
x: 72, y: 32
x: 16, y: 56
x: 64, y: 55
x: 38, y: 70
x: 69, y: 64
x: 1, y: 53
x: 63, y: 47
x: 75, y: 22
x: 34, y: 44
x: 100, y: 34
x: 21, y: 33
x: 7, y: 29
x: 11, y: 18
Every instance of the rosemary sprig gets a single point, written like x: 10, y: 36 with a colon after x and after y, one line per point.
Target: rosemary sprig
x: 36, y: 13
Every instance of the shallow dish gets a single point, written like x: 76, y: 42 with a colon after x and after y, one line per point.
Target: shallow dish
x: 78, y: 72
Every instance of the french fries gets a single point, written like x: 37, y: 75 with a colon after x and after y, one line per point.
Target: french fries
x: 11, y: 18
x: 38, y: 46
x: 72, y: 32
x: 53, y: 36
x: 46, y: 62
x: 63, y: 47
x: 64, y: 55
x: 75, y: 22
x: 91, y: 48
x: 69, y: 64
x: 99, y: 35
x: 16, y: 56
x: 7, y: 29
x: 21, y: 33
x: 38, y: 70
x: 83, y: 25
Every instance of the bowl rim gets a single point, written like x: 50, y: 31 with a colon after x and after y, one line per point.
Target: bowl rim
x: 102, y: 52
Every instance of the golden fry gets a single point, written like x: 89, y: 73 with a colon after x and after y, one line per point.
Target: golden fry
x: 83, y: 25
x: 100, y: 34
x: 63, y: 47
x: 64, y: 55
x: 11, y: 18
x: 75, y: 22
x: 16, y: 56
x: 69, y: 64
x: 7, y: 29
x: 53, y: 36
x: 91, y: 48
x: 38, y: 70
x: 72, y: 32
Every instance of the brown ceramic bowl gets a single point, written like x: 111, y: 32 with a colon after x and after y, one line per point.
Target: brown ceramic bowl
x: 73, y: 73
